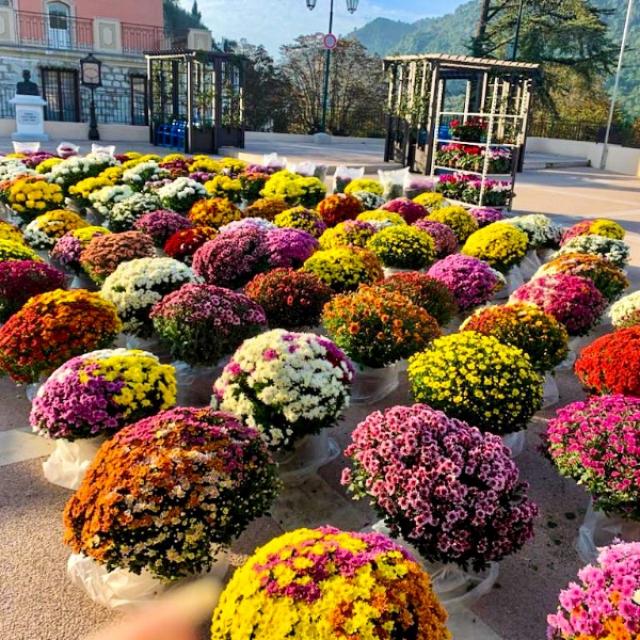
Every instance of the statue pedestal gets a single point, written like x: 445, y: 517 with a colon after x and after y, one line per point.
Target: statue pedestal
x: 29, y: 118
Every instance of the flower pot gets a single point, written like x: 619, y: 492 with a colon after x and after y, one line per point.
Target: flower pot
x: 372, y: 385
x: 550, y: 391
x: 195, y: 382
x: 82, y: 281
x: 599, y: 530
x: 308, y: 455
x: 391, y: 271
x: 94, y: 217
x: 514, y: 280
x: 31, y: 390
x: 454, y: 586
x: 544, y: 255
x: 69, y: 461
x: 515, y: 441
x: 43, y: 253
x: 576, y: 345
x: 120, y: 588
x: 529, y: 264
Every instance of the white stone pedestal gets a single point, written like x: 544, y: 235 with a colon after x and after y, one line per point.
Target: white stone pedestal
x: 29, y: 118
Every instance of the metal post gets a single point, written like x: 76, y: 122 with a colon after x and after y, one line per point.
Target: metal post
x: 614, y: 93
x: 93, y: 123
x: 327, y: 67
x: 516, y: 40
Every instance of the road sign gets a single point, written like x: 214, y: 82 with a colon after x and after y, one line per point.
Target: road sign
x: 329, y: 41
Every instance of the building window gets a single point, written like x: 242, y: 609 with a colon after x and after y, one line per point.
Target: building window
x: 58, y: 25
x: 138, y: 100
x: 61, y: 91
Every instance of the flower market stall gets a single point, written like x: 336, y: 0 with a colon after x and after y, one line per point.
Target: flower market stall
x: 195, y: 100
x: 460, y: 120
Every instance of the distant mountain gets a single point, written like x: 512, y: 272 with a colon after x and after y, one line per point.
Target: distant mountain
x: 451, y: 34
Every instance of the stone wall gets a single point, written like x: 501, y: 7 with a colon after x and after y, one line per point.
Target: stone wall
x: 113, y: 99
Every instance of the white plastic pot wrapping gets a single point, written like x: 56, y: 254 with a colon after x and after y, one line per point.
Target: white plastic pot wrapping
x: 195, y: 382
x: 576, y: 345
x: 529, y: 264
x: 371, y: 385
x: 392, y: 271
x: 550, y: 391
x: 454, y: 586
x: 600, y: 530
x: 307, y: 456
x: 515, y: 441
x: 120, y: 588
x: 69, y: 461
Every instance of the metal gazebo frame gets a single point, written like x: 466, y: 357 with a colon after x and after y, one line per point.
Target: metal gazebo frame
x: 195, y: 99
x: 497, y: 92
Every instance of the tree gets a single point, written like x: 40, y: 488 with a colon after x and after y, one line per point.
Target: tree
x: 357, y: 86
x: 177, y: 20
x: 195, y: 12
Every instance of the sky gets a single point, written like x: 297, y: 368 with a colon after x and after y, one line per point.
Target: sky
x: 275, y: 22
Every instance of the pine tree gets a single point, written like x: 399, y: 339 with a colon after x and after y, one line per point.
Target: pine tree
x: 195, y: 11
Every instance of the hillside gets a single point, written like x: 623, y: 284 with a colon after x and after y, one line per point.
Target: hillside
x: 451, y: 33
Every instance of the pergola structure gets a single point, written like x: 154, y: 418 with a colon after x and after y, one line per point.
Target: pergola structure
x: 195, y: 99
x: 427, y: 92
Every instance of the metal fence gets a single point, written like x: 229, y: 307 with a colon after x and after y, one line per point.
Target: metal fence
x: 583, y: 131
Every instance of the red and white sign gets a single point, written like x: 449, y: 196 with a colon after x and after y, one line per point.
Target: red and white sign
x: 329, y: 41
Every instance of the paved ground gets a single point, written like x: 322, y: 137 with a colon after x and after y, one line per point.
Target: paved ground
x: 37, y: 601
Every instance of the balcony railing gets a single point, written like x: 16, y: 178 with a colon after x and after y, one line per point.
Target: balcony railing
x: 58, y: 31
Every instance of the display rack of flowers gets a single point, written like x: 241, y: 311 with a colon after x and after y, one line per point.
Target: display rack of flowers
x: 538, y: 334
x: 381, y: 219
x: 471, y: 129
x: 80, y: 193
x: 161, y: 224
x: 268, y: 208
x: 602, y: 605
x: 16, y: 250
x: 338, y: 208
x: 424, y: 291
x: 609, y: 280
x: 290, y: 299
x: 596, y: 442
x: 105, y: 252
x: 23, y: 279
x: 572, y: 300
x: 92, y: 396
x: 289, y: 247
x: 611, y: 363
x: 77, y: 168
x: 617, y: 252
x: 301, y: 218
x: 486, y: 215
x: 376, y: 328
x: 476, y: 378
x: 354, y: 233
x: 201, y: 324
x: 291, y: 387
x: 207, y: 466
x: 224, y: 186
x: 137, y: 176
x: 53, y: 327
x: 122, y: 215
x: 336, y: 585
x: 42, y: 232
x: 294, y: 189
x: 370, y: 201
x: 443, y: 236
x: 457, y: 218
x: 29, y: 197
x: 213, y: 212
x: 403, y: 247
x: 450, y: 491
x: 471, y: 281
x: 231, y: 259
x: 625, y: 312
x: 345, y: 268
x: 181, y: 194
x: 104, y: 199
x: 367, y: 185
x: 136, y: 285
x: 599, y: 226
x: 409, y: 210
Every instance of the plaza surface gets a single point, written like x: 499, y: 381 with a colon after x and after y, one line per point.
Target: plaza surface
x: 39, y: 602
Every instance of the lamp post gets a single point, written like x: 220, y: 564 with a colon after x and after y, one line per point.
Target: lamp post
x: 516, y: 40
x: 616, y: 84
x: 352, y: 6
x: 91, y: 77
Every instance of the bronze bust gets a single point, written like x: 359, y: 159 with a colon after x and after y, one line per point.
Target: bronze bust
x: 27, y: 87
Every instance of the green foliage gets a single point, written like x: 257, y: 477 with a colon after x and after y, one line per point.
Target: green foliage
x: 176, y: 19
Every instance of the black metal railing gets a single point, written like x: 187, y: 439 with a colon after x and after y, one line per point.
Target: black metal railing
x: 544, y: 127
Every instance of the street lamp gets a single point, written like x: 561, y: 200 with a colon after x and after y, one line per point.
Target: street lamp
x: 91, y: 77
x: 616, y: 84
x: 352, y: 6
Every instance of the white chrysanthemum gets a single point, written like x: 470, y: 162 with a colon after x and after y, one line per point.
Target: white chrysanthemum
x: 626, y: 312
x: 541, y: 230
